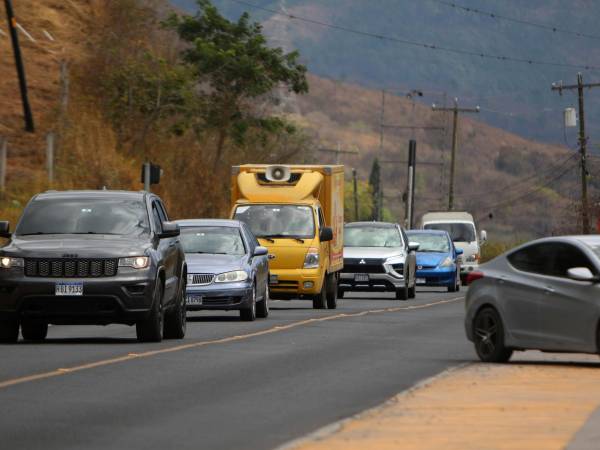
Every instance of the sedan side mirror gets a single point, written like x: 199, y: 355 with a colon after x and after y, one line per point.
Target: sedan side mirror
x: 326, y: 234
x: 581, y: 274
x: 169, y: 230
x: 413, y: 246
x: 5, y: 229
x: 260, y: 251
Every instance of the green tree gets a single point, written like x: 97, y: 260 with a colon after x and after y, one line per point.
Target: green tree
x: 365, y: 201
x: 236, y: 70
x: 375, y: 183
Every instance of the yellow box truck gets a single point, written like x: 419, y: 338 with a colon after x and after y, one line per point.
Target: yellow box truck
x: 297, y: 212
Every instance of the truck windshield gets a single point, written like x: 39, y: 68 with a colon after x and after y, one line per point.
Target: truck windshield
x: 293, y: 221
x: 84, y: 215
x: 458, y: 231
x: 372, y: 236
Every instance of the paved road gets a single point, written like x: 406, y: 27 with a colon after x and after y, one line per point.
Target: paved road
x: 229, y: 384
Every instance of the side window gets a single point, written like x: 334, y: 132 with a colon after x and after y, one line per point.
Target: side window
x: 535, y: 258
x: 552, y: 259
x: 249, y: 238
x: 404, y: 237
x: 321, y: 218
x: 156, y: 218
x: 162, y: 211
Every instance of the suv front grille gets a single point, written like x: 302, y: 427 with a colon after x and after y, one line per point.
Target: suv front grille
x: 70, y: 268
x: 199, y: 279
x: 363, y: 265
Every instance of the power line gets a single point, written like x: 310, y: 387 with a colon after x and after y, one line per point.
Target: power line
x: 411, y: 43
x: 493, y: 15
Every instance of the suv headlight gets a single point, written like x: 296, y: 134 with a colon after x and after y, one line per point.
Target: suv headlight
x: 311, y: 260
x: 447, y: 262
x: 7, y: 262
x: 137, y: 262
x: 231, y: 277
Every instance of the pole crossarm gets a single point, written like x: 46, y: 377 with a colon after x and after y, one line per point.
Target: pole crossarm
x: 415, y: 127
x: 334, y: 150
x: 456, y: 109
x: 571, y: 87
x: 399, y: 161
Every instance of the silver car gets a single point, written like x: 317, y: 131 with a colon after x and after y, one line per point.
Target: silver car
x: 543, y: 295
x: 378, y: 257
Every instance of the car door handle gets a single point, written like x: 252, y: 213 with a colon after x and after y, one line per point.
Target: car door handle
x: 549, y: 290
x: 502, y: 279
x: 271, y: 256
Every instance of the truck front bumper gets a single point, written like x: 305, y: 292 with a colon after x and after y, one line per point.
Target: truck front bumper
x: 295, y: 283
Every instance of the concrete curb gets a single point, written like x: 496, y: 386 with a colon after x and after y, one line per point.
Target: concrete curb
x: 328, y: 430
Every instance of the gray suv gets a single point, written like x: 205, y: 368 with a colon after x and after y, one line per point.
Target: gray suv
x: 92, y: 257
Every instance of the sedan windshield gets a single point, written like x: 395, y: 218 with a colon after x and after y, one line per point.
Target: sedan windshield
x: 431, y: 242
x: 372, y: 236
x: 293, y: 221
x: 212, y: 240
x: 458, y: 231
x: 84, y: 216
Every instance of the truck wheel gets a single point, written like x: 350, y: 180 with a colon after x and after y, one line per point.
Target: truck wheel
x: 34, y: 331
x: 262, y: 307
x: 320, y: 300
x: 332, y: 290
x: 402, y: 293
x: 249, y: 314
x: 9, y: 331
x: 176, y: 319
x: 151, y: 328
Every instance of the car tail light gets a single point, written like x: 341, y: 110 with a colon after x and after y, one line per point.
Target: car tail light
x: 473, y: 276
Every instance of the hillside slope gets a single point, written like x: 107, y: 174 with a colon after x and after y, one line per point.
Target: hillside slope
x: 513, y: 96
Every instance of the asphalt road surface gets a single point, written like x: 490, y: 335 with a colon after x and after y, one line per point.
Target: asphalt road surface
x: 228, y: 384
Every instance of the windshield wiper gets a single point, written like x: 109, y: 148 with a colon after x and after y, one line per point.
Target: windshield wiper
x: 284, y: 236
x: 266, y: 238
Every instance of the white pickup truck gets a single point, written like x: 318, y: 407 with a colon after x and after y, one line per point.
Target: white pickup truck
x: 462, y: 230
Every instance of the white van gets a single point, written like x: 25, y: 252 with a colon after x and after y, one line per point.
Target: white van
x: 462, y: 230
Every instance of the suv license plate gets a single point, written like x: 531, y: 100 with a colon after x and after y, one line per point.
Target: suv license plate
x: 361, y: 277
x: 194, y: 300
x: 68, y: 289
x: 421, y: 280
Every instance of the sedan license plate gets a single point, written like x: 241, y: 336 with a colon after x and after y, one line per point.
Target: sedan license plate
x: 361, y: 277
x: 68, y: 289
x: 421, y: 280
x: 194, y: 300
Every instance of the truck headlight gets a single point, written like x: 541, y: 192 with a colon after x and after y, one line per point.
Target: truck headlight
x: 6, y: 262
x: 473, y: 258
x: 311, y: 260
x: 231, y: 277
x: 137, y: 262
x: 447, y: 262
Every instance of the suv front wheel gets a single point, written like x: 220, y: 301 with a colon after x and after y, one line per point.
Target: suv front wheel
x: 151, y: 328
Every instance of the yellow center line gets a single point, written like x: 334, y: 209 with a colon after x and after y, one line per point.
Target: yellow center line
x: 192, y: 345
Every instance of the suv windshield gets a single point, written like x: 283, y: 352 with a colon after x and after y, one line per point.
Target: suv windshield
x: 293, y: 221
x: 212, y: 240
x: 372, y: 236
x: 84, y: 216
x: 430, y: 242
x: 459, y: 232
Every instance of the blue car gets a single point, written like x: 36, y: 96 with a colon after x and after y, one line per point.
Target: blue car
x: 437, y: 259
x: 227, y: 269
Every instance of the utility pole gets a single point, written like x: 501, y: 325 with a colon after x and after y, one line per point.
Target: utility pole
x: 585, y: 207
x: 12, y: 27
x: 3, y: 152
x: 455, y: 111
x: 355, y: 184
x: 412, y: 161
x: 50, y: 157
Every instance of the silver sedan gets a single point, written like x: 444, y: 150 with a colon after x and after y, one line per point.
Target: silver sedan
x: 543, y: 295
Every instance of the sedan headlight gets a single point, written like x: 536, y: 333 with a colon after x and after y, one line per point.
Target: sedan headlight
x: 6, y: 262
x: 231, y: 277
x: 311, y: 260
x: 447, y: 262
x: 137, y: 262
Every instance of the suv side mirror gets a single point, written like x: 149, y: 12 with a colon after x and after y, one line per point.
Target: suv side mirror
x: 260, y: 251
x: 5, y: 229
x: 169, y: 230
x: 326, y: 234
x: 413, y: 246
x: 459, y: 251
x: 581, y: 274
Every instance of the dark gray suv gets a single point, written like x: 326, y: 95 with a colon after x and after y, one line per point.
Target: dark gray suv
x: 93, y: 257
